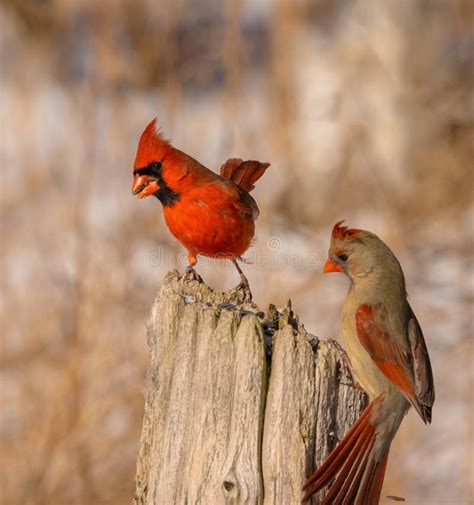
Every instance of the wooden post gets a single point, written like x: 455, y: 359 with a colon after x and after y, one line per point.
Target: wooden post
x: 240, y: 405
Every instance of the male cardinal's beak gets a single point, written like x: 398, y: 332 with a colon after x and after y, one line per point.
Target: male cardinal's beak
x: 331, y: 266
x: 139, y: 183
x: 143, y: 186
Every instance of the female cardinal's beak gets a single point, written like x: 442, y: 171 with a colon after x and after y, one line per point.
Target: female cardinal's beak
x: 143, y: 186
x: 331, y: 266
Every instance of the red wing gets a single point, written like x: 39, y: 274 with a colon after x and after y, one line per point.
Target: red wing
x: 393, y: 358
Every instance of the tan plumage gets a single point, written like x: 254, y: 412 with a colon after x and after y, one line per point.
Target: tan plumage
x: 388, y: 353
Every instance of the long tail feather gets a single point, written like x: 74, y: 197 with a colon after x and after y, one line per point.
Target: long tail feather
x: 348, y: 493
x: 243, y: 173
x: 358, y: 451
x: 343, y: 489
x: 370, y: 494
x: 326, y: 471
x: 353, y: 473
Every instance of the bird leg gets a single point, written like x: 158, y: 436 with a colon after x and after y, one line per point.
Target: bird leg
x: 190, y: 273
x: 243, y: 280
x: 245, y: 260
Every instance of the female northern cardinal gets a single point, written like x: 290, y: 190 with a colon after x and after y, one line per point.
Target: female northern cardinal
x: 212, y: 215
x: 388, y: 354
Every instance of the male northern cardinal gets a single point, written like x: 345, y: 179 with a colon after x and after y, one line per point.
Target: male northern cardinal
x: 388, y: 354
x: 212, y: 215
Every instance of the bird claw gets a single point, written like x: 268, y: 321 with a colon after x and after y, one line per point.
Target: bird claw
x: 244, y: 286
x: 191, y: 275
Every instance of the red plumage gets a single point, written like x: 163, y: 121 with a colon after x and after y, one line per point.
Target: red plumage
x: 211, y: 215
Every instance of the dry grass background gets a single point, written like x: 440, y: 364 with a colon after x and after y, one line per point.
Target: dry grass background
x: 365, y: 109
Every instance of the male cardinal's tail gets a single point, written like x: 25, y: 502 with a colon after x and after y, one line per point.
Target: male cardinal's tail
x: 243, y: 173
x: 354, y: 472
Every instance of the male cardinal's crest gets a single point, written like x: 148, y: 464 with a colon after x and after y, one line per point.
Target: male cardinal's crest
x: 152, y: 144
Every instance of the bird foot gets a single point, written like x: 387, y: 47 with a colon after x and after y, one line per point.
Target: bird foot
x: 244, y: 285
x: 347, y: 365
x: 191, y: 275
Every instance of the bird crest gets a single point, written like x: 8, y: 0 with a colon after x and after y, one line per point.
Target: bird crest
x: 340, y: 232
x: 153, y: 146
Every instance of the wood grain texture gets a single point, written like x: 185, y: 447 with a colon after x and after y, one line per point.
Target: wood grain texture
x: 240, y: 405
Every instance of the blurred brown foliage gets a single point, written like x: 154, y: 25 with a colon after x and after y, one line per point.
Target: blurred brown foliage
x: 364, y: 108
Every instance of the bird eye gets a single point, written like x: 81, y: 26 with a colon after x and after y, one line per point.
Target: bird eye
x: 153, y: 169
x: 154, y: 166
x: 343, y: 257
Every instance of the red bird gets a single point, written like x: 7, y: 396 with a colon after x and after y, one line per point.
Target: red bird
x: 390, y: 361
x: 212, y: 215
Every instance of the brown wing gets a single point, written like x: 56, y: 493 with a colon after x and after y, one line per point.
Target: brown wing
x: 423, y: 375
x: 395, y: 359
x: 247, y: 202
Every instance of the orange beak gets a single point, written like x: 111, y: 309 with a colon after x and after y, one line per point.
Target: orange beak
x: 143, y: 186
x: 331, y: 266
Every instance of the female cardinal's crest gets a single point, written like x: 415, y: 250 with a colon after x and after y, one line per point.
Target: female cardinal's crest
x: 340, y: 232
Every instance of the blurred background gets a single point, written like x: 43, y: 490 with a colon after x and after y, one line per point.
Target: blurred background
x: 365, y: 108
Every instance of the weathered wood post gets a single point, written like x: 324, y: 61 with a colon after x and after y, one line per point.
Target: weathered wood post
x: 240, y: 405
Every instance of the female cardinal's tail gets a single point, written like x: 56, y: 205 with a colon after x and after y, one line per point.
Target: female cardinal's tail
x: 354, y: 470
x: 243, y: 173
